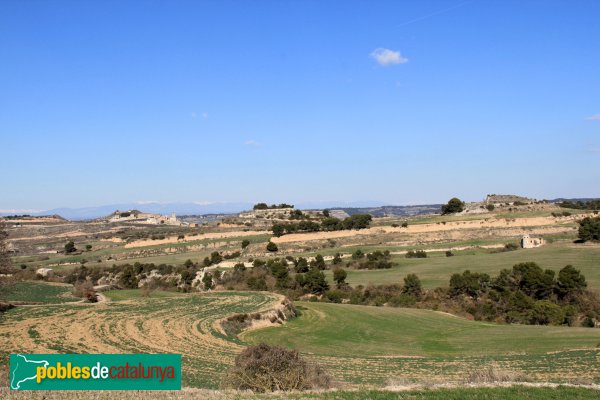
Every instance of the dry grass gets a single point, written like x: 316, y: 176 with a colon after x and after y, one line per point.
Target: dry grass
x: 493, y: 374
x: 184, y: 394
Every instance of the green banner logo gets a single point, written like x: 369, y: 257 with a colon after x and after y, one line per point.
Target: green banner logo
x: 95, y: 371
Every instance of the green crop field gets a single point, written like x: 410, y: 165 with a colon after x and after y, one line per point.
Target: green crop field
x: 129, y: 294
x: 37, y: 292
x: 370, y: 344
x: 437, y: 268
x: 358, y: 345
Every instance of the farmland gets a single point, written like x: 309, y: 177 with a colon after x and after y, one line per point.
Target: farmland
x: 37, y: 292
x: 359, y: 345
x: 362, y: 347
x: 173, y: 324
x: 417, y: 344
x: 436, y: 268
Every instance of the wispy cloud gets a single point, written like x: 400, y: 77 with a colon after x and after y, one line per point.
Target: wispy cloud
x: 203, y: 203
x: 594, y: 118
x: 203, y: 115
x: 594, y: 149
x: 251, y: 143
x: 387, y: 57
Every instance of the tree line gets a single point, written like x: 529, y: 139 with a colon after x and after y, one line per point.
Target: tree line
x: 581, y: 205
x: 265, y: 206
x: 357, y: 221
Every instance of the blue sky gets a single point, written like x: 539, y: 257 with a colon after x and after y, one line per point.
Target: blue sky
x: 403, y: 102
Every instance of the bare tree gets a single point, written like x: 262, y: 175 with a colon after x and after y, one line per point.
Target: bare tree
x: 4, y: 253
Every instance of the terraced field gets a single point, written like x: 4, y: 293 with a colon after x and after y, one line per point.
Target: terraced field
x: 371, y: 344
x: 178, y: 324
x: 437, y: 268
x: 356, y: 344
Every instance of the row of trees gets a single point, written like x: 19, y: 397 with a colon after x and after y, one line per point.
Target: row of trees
x: 358, y: 221
x: 581, y: 205
x: 526, y: 294
x: 265, y: 206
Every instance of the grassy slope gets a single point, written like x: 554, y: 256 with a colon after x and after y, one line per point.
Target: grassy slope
x: 347, y: 330
x: 128, y: 294
x: 369, y: 345
x: 38, y: 292
x: 437, y: 268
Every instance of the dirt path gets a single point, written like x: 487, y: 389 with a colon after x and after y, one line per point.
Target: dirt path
x: 174, y: 239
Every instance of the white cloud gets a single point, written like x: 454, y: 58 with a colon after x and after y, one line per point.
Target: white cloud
x: 194, y: 115
x: 594, y: 118
x: 386, y: 57
x: 251, y: 143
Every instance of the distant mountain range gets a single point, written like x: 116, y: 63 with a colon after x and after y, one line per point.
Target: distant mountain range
x: 396, y: 211
x: 375, y: 208
x: 85, y: 213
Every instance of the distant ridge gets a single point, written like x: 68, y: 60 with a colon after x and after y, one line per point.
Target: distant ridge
x: 375, y: 208
x: 86, y: 213
x: 89, y: 213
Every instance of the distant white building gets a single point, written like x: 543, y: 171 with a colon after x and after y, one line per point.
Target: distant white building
x: 528, y: 242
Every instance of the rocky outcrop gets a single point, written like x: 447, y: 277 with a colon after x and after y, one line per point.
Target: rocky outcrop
x: 45, y: 272
x: 280, y: 313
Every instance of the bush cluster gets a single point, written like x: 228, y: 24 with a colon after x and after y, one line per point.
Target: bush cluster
x: 357, y: 221
x: 375, y: 260
x: 526, y: 294
x: 416, y: 254
x: 589, y: 229
x: 581, y: 205
x: 265, y: 368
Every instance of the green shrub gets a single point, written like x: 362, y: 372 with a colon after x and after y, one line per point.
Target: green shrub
x: 589, y: 229
x: 272, y: 247
x: 416, y: 254
x: 454, y: 205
